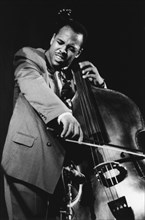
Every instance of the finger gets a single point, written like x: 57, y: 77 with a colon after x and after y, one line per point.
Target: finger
x: 76, y: 131
x: 69, y: 131
x: 84, y: 64
x: 90, y: 79
x: 87, y: 70
x: 65, y: 128
x: 89, y: 75
x: 80, y: 136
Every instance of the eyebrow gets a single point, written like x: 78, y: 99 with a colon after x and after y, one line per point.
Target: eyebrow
x: 71, y: 45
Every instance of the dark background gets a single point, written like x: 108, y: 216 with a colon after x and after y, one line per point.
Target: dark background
x: 115, y: 44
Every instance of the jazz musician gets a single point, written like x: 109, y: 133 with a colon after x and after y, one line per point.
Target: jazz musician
x: 32, y: 157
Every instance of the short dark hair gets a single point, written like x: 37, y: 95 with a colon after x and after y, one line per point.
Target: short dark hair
x: 76, y: 26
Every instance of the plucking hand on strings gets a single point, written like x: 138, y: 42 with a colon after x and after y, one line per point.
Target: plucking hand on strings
x: 91, y: 72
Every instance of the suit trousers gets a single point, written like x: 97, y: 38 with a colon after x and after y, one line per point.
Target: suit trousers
x: 24, y: 201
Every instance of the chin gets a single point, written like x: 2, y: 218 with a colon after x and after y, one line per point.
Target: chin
x: 59, y: 65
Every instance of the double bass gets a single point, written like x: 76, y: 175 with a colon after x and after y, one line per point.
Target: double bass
x: 115, y: 168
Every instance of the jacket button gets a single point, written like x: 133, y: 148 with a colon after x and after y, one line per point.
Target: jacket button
x: 48, y: 144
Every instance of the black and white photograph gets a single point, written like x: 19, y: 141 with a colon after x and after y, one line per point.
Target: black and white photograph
x: 72, y: 112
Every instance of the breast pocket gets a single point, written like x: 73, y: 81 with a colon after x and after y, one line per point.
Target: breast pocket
x: 24, y: 139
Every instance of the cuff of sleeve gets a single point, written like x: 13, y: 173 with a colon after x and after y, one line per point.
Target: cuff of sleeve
x: 102, y: 85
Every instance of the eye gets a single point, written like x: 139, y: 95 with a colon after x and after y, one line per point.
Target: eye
x: 72, y: 49
x: 60, y: 42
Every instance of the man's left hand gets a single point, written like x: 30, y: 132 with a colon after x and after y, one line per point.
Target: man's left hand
x: 91, y: 72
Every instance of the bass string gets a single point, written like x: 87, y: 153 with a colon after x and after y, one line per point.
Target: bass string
x: 86, y: 107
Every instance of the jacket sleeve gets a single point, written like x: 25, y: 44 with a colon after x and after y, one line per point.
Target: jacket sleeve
x: 38, y: 93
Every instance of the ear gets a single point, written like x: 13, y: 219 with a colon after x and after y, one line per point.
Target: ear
x: 79, y: 53
x: 52, y: 39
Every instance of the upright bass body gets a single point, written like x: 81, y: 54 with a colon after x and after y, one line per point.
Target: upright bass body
x: 115, y: 186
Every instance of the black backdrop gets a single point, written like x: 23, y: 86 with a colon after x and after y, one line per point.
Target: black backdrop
x: 115, y: 44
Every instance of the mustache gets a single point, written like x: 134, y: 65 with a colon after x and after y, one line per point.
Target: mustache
x: 61, y: 54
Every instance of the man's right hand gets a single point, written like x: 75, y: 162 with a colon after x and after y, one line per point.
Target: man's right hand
x: 71, y: 127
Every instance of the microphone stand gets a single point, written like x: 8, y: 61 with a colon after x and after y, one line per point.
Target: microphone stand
x: 67, y: 214
x: 70, y: 175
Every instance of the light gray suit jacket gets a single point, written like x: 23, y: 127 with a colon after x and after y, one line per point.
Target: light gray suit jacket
x: 31, y: 153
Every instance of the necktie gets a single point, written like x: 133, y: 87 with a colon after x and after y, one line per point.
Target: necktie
x: 63, y: 88
x: 57, y: 83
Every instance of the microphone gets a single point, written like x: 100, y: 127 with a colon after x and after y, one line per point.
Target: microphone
x: 74, y: 175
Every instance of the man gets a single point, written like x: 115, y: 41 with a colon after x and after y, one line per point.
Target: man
x: 33, y: 157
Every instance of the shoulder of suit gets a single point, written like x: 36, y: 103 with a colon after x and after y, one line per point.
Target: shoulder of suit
x: 36, y: 55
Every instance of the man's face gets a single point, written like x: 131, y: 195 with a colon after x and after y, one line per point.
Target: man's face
x: 64, y: 48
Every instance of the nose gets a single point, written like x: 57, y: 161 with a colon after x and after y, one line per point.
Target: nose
x: 63, y: 50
